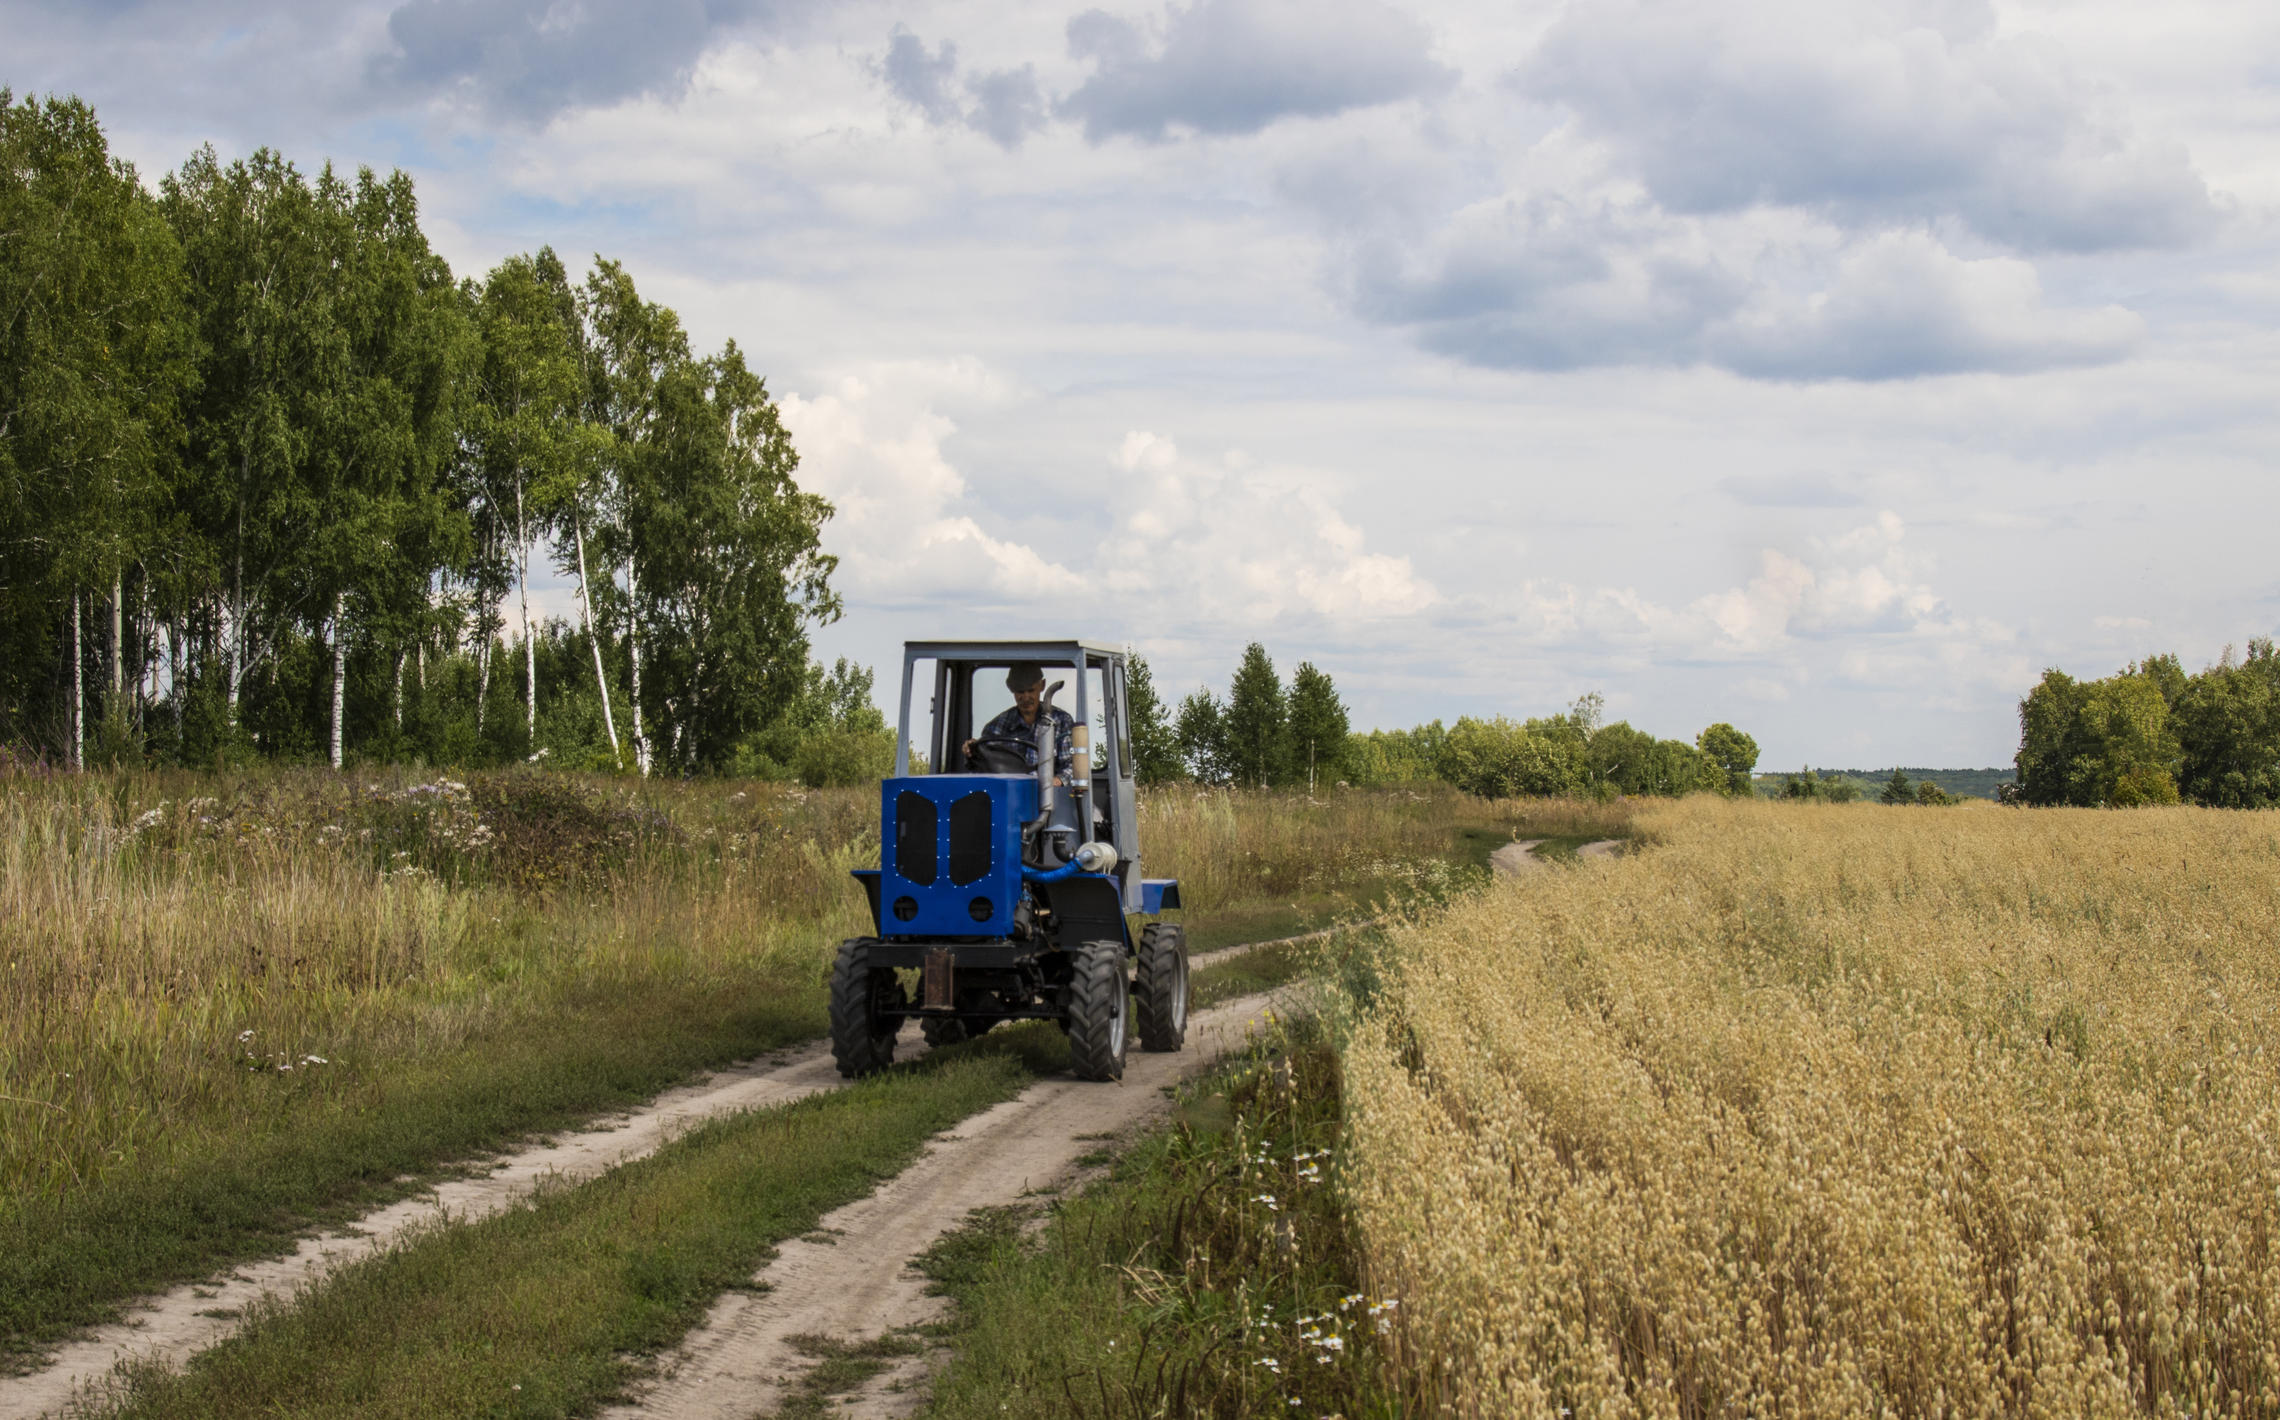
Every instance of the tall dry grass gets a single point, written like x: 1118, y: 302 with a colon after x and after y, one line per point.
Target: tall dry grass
x: 189, y: 960
x: 181, y: 955
x: 1823, y: 1111
x: 1232, y: 846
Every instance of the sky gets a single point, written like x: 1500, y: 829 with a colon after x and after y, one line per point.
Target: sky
x: 1828, y: 368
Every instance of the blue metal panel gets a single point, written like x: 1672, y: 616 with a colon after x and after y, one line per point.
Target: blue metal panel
x: 1157, y: 894
x: 956, y: 890
x: 869, y: 878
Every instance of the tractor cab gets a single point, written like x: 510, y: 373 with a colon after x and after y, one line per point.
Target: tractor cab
x: 1010, y: 885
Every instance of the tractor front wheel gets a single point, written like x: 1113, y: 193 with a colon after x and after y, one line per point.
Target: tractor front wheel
x: 862, y: 995
x: 1163, y: 987
x: 1097, y: 1008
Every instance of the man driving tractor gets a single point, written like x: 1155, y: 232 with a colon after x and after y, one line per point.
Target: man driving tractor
x: 1018, y: 724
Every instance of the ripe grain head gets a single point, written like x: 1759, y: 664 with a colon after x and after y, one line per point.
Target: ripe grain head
x: 1835, y: 1109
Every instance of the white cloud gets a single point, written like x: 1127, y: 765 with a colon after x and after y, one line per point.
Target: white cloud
x: 902, y: 530
x: 1192, y: 544
x: 1246, y: 546
x: 1873, y: 110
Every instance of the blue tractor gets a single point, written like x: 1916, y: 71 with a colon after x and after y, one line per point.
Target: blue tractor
x: 1011, y: 894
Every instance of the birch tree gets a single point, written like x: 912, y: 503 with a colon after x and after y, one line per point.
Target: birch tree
x: 527, y: 391
x: 93, y: 355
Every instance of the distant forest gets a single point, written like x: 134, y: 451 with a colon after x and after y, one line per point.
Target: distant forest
x: 272, y: 477
x: 1869, y: 783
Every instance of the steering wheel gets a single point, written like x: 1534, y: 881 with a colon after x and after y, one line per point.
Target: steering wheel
x: 1000, y: 754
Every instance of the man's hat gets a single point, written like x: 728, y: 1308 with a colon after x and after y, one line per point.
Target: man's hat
x: 1024, y: 675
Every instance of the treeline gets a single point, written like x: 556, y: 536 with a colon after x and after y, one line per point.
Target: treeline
x: 2152, y: 734
x: 1268, y: 734
x: 271, y: 479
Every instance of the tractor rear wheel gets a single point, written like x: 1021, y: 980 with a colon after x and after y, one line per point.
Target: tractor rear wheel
x: 862, y: 1034
x: 1163, y: 987
x: 1097, y: 1011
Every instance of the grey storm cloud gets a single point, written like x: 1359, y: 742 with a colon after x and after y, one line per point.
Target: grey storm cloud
x: 534, y: 58
x: 1006, y: 105
x: 1550, y: 284
x: 1868, y: 110
x: 1235, y: 66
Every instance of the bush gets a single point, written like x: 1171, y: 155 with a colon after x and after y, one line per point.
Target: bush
x: 1498, y: 759
x: 844, y: 759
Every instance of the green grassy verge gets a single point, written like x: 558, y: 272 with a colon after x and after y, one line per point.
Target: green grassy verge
x: 66, y: 1262
x: 552, y: 1297
x: 537, y: 1310
x: 1207, y: 1276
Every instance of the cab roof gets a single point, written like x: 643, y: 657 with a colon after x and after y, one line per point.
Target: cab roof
x: 1009, y: 650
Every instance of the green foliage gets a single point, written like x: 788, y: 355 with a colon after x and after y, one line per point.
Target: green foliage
x: 1201, y: 734
x: 1500, y: 759
x: 2100, y: 743
x: 2227, y: 721
x: 1733, y: 752
x: 1897, y: 790
x: 1396, y: 756
x: 1156, y: 753
x: 1933, y: 796
x: 1318, y: 728
x: 255, y: 425
x: 1255, y: 726
x: 830, y: 736
x: 2152, y: 734
x: 94, y: 356
x: 1827, y: 786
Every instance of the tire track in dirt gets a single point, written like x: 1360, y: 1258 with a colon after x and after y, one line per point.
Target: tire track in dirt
x: 852, y: 1280
x: 176, y: 1324
x: 1514, y: 859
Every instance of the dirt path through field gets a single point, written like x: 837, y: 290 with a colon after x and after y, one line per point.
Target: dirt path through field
x: 1516, y: 858
x: 851, y: 1281
x: 1513, y: 859
x: 175, y: 1325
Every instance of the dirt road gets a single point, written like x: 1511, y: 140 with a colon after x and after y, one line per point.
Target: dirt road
x: 852, y: 1280
x: 175, y: 1325
x: 1513, y: 859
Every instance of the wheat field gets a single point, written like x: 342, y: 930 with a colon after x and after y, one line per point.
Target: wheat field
x: 1838, y: 1110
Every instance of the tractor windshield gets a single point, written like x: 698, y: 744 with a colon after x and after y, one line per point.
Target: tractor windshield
x: 972, y: 694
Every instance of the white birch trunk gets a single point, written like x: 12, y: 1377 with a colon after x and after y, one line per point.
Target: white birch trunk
x: 78, y: 754
x: 237, y: 611
x: 633, y: 643
x: 483, y: 641
x: 399, y: 690
x: 340, y: 676
x: 112, y: 706
x: 593, y: 636
x: 530, y: 642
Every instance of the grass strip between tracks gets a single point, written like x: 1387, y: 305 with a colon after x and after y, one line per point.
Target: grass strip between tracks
x: 535, y: 1311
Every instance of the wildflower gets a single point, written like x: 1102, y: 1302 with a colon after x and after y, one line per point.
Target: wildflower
x: 1270, y: 1363
x: 244, y: 1036
x: 1269, y: 1200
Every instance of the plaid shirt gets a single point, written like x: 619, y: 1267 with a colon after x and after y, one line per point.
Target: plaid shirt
x: 1010, y: 725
